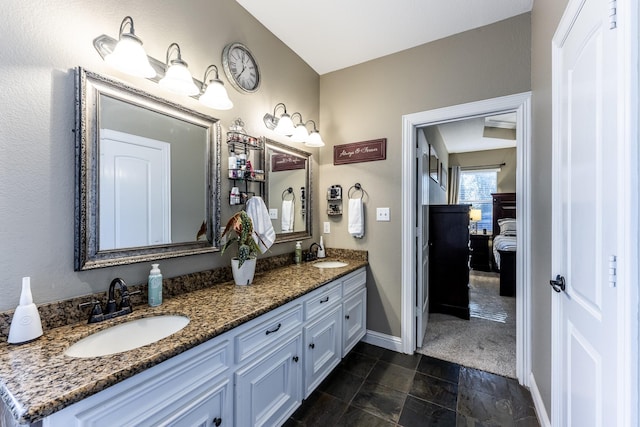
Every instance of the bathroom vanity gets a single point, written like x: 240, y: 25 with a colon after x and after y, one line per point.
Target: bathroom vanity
x: 249, y: 356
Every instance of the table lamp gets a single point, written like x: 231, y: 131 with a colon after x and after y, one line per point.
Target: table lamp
x: 475, y: 215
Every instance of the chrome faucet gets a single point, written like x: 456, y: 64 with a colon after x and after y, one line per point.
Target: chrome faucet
x: 112, y: 309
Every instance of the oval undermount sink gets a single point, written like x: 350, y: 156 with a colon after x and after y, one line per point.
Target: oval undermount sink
x: 127, y: 336
x: 330, y: 264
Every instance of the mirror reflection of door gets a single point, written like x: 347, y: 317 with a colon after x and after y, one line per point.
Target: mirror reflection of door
x: 287, y: 171
x: 135, y: 191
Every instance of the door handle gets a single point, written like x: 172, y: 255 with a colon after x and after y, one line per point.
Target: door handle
x: 558, y: 285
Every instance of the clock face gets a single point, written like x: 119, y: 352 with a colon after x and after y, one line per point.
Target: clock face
x: 240, y: 67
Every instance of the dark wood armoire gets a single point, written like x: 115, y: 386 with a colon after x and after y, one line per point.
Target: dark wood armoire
x: 449, y: 260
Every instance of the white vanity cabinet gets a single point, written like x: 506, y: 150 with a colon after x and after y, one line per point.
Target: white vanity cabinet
x: 322, y: 335
x: 253, y: 375
x: 268, y: 380
x: 354, y: 309
x: 193, y: 388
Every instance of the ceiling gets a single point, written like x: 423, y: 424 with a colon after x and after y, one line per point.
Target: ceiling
x: 467, y: 135
x: 334, y: 34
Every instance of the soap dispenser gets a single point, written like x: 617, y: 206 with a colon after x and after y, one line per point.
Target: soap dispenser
x: 321, y: 252
x: 298, y: 253
x: 26, y: 324
x: 154, y: 286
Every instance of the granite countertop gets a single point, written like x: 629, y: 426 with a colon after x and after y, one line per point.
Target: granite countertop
x: 37, y: 379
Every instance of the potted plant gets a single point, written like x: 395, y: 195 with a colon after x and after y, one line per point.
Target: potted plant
x: 243, y: 265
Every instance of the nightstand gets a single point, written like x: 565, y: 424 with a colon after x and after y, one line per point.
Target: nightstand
x: 480, y: 253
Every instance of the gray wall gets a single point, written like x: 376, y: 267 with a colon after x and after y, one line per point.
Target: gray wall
x: 544, y: 19
x: 42, y: 43
x: 437, y: 196
x: 367, y: 101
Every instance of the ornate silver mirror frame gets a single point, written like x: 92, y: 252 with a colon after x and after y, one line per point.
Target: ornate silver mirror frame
x: 296, y: 179
x: 90, y: 88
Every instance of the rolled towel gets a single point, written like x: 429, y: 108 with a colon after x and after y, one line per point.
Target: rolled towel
x: 259, y: 214
x: 288, y: 209
x: 356, y: 218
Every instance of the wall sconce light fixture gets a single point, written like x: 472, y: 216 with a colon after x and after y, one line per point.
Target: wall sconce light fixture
x: 314, y: 139
x: 129, y: 55
x: 214, y: 95
x: 285, y: 124
x: 177, y: 77
x: 300, y: 133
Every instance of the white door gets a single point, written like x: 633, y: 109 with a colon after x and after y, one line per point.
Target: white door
x: 135, y: 192
x: 585, y: 355
x: 422, y: 238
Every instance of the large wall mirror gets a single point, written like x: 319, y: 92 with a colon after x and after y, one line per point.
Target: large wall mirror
x: 148, y: 174
x: 288, y: 192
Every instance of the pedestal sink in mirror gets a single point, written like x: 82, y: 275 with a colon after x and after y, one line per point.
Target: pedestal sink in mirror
x: 127, y: 336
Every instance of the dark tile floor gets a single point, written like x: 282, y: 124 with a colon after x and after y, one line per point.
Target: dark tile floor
x: 377, y: 387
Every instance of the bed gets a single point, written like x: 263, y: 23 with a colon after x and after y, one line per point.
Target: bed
x: 504, y: 241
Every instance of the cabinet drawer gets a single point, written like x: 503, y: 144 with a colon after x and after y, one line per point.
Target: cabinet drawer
x: 354, y: 281
x: 260, y: 336
x: 318, y: 303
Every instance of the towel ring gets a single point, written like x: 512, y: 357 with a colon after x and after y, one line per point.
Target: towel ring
x: 356, y: 187
x: 288, y: 191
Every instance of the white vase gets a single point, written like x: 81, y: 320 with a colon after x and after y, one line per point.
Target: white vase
x: 244, y: 274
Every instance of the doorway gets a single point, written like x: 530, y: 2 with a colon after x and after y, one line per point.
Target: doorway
x: 480, y: 155
x: 520, y: 103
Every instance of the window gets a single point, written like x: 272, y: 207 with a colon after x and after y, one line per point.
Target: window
x: 475, y: 189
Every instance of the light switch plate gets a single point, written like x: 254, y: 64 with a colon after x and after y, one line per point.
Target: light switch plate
x: 327, y: 228
x: 273, y: 213
x: 382, y: 214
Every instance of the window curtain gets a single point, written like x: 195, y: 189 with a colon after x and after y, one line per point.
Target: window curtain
x: 454, y: 185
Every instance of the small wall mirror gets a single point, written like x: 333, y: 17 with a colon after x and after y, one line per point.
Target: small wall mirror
x: 148, y: 175
x: 288, y: 192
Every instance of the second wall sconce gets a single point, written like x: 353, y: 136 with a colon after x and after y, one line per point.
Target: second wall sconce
x: 298, y: 133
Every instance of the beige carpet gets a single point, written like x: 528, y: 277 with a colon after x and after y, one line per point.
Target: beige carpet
x: 488, y: 340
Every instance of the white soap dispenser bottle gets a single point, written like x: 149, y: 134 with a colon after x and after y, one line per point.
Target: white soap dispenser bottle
x: 26, y: 324
x: 321, y: 252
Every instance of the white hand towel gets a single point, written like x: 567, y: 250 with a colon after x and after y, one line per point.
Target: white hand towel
x: 288, y: 209
x: 257, y: 211
x: 356, y: 218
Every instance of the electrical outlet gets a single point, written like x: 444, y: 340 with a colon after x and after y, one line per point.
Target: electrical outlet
x: 382, y: 214
x: 273, y: 213
x: 327, y: 228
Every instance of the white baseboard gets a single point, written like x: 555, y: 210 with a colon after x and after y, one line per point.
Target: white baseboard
x: 541, y: 411
x: 383, y: 340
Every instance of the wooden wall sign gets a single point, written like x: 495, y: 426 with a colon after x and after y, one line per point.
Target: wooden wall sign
x: 286, y: 162
x: 357, y: 152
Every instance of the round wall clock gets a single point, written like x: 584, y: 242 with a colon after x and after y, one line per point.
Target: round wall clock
x: 240, y: 67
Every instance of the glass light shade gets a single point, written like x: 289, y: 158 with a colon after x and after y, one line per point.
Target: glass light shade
x: 285, y: 125
x: 178, y: 79
x: 130, y: 58
x: 216, y: 96
x: 314, y: 140
x: 300, y: 134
